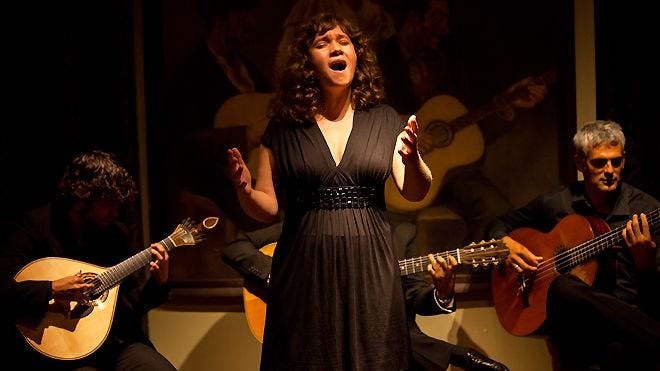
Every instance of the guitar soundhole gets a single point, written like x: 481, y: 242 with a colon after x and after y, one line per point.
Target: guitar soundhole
x: 440, y: 132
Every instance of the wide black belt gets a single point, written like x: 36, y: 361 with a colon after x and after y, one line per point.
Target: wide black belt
x: 344, y: 197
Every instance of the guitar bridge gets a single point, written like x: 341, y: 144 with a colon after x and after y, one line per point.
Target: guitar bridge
x: 80, y: 311
x: 524, y: 288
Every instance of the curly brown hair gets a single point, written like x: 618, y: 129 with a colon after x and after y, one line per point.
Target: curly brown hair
x: 298, y: 92
x: 97, y: 175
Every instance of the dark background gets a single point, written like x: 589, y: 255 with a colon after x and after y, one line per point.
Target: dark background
x: 66, y: 85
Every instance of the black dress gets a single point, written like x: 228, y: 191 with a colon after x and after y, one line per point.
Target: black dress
x: 336, y: 298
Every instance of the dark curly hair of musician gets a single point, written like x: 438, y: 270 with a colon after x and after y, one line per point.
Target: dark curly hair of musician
x: 97, y: 175
x: 298, y: 92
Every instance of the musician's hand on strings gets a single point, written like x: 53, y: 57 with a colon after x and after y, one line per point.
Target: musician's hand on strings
x: 71, y: 288
x: 637, y: 237
x: 520, y: 258
x: 442, y: 273
x: 160, y: 265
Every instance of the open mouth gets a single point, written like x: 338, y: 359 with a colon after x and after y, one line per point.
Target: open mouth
x: 338, y: 66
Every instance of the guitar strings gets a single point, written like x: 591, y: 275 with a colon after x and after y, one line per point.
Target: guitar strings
x: 602, y: 242
x: 551, y: 267
x: 480, y: 253
x: 477, y: 254
x: 116, y: 273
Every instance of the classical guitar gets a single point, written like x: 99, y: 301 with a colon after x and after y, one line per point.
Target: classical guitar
x: 71, y: 330
x: 478, y: 255
x: 569, y: 248
x: 450, y: 137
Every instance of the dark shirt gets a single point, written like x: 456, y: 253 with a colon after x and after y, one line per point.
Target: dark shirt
x: 625, y: 283
x: 46, y: 232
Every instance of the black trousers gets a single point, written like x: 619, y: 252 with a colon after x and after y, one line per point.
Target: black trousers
x: 427, y: 353
x: 589, y: 327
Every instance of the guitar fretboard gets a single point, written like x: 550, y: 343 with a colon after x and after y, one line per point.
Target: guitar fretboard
x: 482, y: 254
x: 184, y: 234
x: 591, y: 248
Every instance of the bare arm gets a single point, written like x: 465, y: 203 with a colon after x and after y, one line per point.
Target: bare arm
x: 411, y: 175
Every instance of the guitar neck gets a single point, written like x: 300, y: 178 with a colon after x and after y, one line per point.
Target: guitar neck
x: 185, y: 234
x: 591, y: 248
x: 482, y: 254
x: 419, y: 264
x: 115, y: 274
x: 478, y: 114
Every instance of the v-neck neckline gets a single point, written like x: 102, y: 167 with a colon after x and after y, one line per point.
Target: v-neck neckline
x: 328, y: 152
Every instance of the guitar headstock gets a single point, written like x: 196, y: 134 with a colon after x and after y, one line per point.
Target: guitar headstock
x: 484, y: 253
x: 188, y: 233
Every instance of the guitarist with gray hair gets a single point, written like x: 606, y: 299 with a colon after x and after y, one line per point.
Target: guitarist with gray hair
x: 587, y: 255
x: 84, y: 223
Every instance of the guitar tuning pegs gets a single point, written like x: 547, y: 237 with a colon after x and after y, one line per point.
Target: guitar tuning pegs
x: 187, y: 223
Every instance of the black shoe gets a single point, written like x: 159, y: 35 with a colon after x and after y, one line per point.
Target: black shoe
x: 475, y: 361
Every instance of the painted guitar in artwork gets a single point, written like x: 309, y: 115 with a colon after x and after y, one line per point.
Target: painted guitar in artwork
x: 569, y: 248
x: 71, y: 330
x: 481, y: 254
x: 450, y: 137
